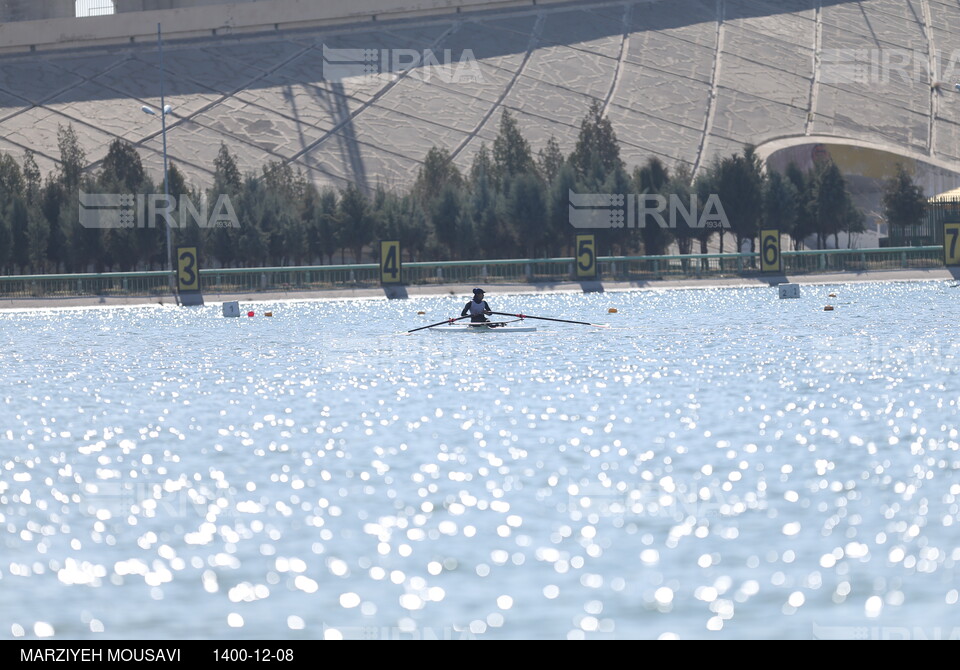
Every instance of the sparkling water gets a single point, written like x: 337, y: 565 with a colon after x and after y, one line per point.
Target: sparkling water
x: 717, y: 463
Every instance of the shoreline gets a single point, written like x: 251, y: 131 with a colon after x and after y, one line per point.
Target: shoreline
x: 461, y: 290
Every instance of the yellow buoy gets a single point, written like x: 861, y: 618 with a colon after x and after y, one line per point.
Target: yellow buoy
x: 828, y: 308
x: 612, y: 310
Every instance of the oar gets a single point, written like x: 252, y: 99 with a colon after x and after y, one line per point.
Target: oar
x: 547, y: 318
x: 439, y: 324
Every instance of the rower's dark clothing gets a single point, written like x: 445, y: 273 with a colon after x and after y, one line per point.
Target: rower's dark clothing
x: 477, y: 310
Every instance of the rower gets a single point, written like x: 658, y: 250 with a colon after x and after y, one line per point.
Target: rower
x: 477, y: 308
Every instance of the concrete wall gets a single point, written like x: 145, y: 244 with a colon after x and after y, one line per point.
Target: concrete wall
x: 150, y: 5
x: 30, y: 10
x: 202, y: 19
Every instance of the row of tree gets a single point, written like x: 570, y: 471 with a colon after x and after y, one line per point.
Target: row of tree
x: 510, y: 203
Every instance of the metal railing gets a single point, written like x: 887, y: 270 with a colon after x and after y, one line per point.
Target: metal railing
x: 367, y: 275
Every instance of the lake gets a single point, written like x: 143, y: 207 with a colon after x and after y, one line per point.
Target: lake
x: 716, y: 464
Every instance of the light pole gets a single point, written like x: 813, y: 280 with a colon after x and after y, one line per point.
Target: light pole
x: 164, y: 110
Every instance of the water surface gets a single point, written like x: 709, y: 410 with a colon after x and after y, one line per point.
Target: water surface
x: 719, y: 463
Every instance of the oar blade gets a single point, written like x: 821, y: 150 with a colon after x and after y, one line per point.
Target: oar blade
x: 547, y: 318
x: 439, y: 323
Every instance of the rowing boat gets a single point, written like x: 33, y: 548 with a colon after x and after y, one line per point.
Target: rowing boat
x: 487, y: 327
x: 449, y: 326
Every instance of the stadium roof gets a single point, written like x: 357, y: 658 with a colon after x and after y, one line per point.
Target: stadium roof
x: 682, y: 80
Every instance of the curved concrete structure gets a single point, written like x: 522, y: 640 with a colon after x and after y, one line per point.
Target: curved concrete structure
x: 683, y: 80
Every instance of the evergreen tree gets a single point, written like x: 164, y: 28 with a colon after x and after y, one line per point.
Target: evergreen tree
x: 11, y: 208
x: 449, y: 225
x: 38, y: 235
x: 122, y: 167
x: 704, y: 184
x: 280, y: 216
x: 680, y: 186
x: 804, y: 224
x: 829, y: 201
x: 597, y: 148
x: 356, y: 223
x: 511, y: 152
x: 526, y: 212
x: 74, y: 254
x: 226, y: 176
x: 187, y: 230
x: 482, y: 165
x: 493, y: 239
x: 52, y: 198
x: 227, y: 181
x: 6, y: 241
x: 560, y: 234
x: 904, y: 203
x: 72, y: 156
x: 550, y: 160
x: 436, y: 172
x: 483, y: 209
x: 38, y: 228
x: 322, y: 236
x: 740, y: 190
x: 121, y: 172
x: 854, y: 222
x: 302, y: 222
x: 400, y: 218
x: 757, y: 180
x: 415, y: 229
x: 252, y: 242
x: 618, y: 241
x: 508, y: 205
x: 32, y: 179
x: 84, y: 245
x: 389, y: 214
x: 779, y: 203
x: 309, y: 209
x: 650, y: 181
